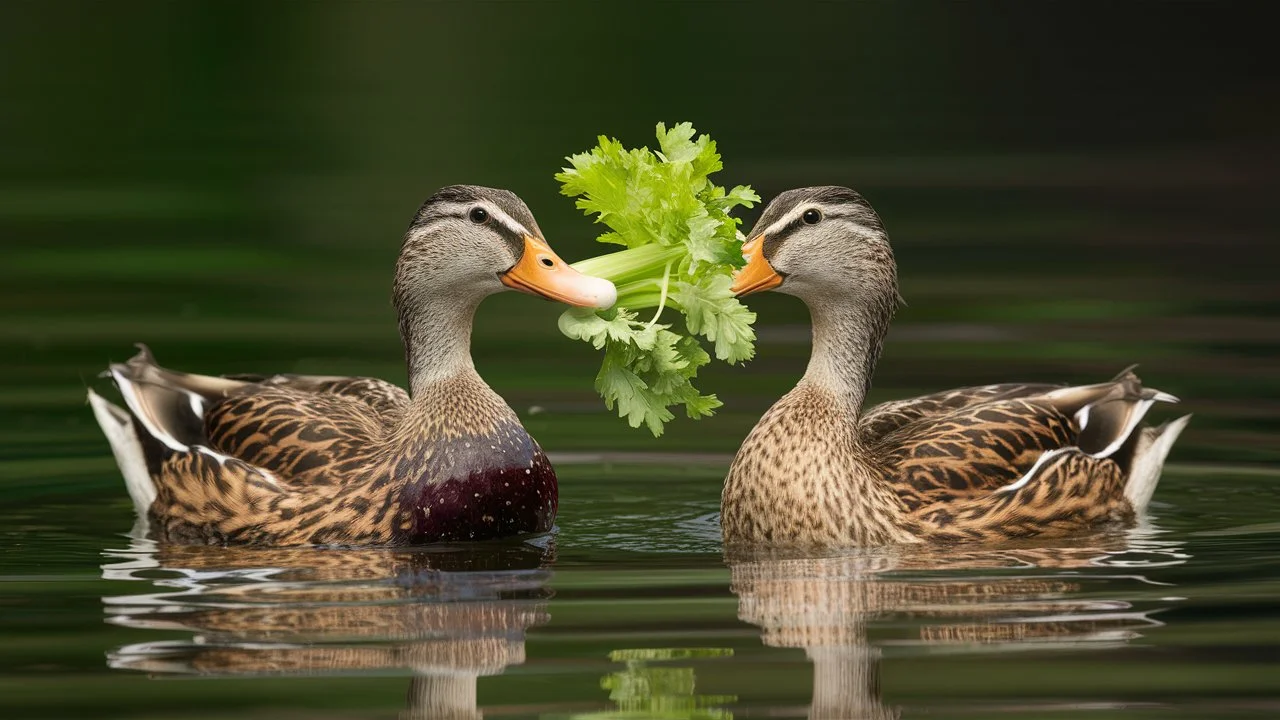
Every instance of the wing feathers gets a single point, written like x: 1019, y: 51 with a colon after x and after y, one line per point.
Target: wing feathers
x: 1087, y: 438
x: 212, y: 453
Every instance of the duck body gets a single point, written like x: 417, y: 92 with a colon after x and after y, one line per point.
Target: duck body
x: 311, y: 460
x: 984, y: 464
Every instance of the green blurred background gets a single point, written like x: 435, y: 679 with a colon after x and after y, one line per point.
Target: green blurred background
x: 1069, y: 187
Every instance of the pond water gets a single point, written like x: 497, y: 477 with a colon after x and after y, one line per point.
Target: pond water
x: 631, y: 611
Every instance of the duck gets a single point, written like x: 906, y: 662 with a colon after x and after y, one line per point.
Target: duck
x: 984, y: 464
x: 288, y: 460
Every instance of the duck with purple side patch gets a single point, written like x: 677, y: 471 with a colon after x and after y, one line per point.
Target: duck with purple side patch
x: 315, y: 460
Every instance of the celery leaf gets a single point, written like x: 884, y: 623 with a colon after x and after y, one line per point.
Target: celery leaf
x: 682, y: 249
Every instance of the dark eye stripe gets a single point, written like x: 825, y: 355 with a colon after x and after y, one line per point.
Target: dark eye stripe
x: 771, y: 241
x: 512, y: 238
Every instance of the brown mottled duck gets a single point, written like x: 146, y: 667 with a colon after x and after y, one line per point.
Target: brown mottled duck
x: 984, y: 464
x: 302, y: 460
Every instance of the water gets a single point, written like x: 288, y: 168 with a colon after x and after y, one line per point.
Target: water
x: 630, y: 610
x: 1067, y: 193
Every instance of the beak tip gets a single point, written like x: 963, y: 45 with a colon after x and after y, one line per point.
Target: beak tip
x: 604, y: 294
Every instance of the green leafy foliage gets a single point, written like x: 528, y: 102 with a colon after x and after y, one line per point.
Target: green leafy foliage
x: 682, y: 249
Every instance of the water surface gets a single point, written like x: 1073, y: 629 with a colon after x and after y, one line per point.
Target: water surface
x: 631, y: 610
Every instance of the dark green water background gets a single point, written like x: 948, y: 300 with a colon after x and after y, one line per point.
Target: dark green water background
x: 1070, y: 188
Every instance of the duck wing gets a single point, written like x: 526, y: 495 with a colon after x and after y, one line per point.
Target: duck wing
x: 295, y: 426
x: 380, y: 395
x: 887, y: 417
x: 974, y: 449
x: 219, y: 455
x: 306, y: 437
x: 963, y: 467
x: 206, y: 498
x: 1067, y: 489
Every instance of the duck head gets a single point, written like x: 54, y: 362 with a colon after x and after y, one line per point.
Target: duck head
x: 821, y: 244
x: 465, y: 244
x: 826, y: 246
x: 468, y: 242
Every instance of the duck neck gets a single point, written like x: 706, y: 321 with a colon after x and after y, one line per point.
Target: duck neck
x: 437, y: 342
x: 848, y: 334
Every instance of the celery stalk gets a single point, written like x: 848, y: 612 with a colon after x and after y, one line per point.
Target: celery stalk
x: 682, y: 248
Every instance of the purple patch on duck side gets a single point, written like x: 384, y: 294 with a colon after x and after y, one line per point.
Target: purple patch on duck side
x: 498, y: 501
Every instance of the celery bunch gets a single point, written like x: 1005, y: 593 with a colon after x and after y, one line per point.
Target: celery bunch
x: 682, y: 249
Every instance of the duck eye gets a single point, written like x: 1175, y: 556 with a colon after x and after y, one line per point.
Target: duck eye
x: 812, y: 216
x: 479, y: 215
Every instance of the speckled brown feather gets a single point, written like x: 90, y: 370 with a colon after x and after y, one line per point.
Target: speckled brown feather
x: 889, y: 416
x: 301, y: 433
x: 798, y: 479
x: 972, y: 450
x: 1070, y: 492
x: 934, y: 474
x: 291, y: 466
x: 988, y: 463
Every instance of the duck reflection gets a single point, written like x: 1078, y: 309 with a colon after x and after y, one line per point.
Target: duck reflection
x: 446, y: 614
x: 1015, y: 596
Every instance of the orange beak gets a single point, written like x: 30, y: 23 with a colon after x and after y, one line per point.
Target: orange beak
x: 541, y: 272
x: 758, y: 275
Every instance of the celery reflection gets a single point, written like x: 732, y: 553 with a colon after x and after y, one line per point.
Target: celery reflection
x: 645, y: 692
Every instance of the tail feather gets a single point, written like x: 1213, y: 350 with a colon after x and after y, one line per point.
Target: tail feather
x: 169, y: 405
x: 143, y: 367
x: 1110, y: 416
x: 1109, y: 413
x: 163, y: 414
x: 117, y: 424
x: 1148, y: 460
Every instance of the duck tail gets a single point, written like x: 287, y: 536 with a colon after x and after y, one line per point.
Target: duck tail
x: 1109, y: 416
x: 169, y: 413
x: 1109, y: 424
x: 143, y: 368
x: 163, y: 414
x: 1149, y: 452
x: 117, y: 424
